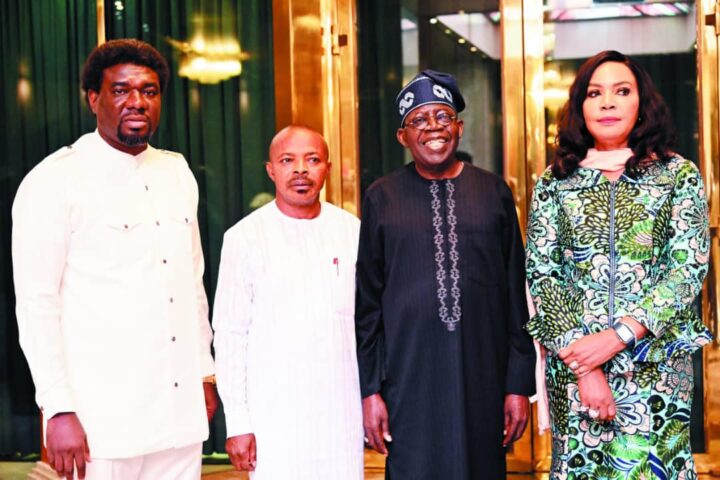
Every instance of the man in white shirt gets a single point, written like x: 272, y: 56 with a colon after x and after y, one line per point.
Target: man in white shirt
x: 284, y: 331
x: 108, y: 268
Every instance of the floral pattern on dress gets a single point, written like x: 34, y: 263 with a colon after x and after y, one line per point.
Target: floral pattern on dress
x: 586, y: 271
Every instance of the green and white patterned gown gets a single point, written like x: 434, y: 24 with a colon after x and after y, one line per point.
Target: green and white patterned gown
x: 598, y: 251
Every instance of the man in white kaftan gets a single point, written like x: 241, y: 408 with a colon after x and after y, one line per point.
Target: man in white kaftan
x: 284, y: 330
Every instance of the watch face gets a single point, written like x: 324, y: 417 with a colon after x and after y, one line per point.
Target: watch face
x: 625, y: 333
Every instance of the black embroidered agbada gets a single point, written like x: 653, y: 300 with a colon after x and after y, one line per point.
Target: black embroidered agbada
x: 440, y: 310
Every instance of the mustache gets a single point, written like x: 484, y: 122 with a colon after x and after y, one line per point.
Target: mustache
x: 301, y: 181
x: 136, y: 114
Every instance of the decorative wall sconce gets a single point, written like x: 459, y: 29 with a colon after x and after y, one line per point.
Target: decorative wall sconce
x: 209, y: 60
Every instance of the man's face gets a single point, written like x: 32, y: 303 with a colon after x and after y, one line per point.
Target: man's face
x: 433, y: 149
x: 298, y: 165
x: 127, y: 107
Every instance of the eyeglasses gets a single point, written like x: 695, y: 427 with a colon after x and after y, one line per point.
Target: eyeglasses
x: 422, y: 122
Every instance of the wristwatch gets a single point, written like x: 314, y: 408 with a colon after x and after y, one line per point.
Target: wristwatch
x: 625, y: 334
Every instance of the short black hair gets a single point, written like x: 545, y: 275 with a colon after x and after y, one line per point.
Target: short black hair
x: 116, y: 52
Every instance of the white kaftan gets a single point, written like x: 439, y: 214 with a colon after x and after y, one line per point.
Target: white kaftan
x: 285, y: 342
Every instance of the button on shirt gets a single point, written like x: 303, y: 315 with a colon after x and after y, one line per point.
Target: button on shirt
x: 111, y: 307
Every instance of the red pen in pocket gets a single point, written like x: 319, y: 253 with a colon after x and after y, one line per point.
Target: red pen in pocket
x: 336, y: 262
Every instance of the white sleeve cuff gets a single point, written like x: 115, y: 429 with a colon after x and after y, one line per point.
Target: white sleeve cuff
x: 52, y: 403
x: 237, y: 421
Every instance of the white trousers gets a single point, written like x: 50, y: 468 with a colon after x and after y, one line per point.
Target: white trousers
x: 173, y: 464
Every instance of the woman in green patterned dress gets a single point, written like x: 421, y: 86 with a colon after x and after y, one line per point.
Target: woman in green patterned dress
x: 617, y: 252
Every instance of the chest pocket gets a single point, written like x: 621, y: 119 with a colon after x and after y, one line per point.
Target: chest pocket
x: 343, y: 285
x: 181, y: 225
x: 122, y: 235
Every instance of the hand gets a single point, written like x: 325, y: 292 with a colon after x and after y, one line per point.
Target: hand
x: 211, y: 399
x: 595, y: 394
x: 67, y: 445
x: 591, y: 351
x: 375, y: 423
x: 242, y: 451
x: 517, y: 412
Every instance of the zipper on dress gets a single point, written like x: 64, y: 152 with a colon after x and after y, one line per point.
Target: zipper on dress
x: 613, y: 259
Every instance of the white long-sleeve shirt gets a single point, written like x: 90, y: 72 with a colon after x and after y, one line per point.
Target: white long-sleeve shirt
x: 111, y: 307
x: 285, y: 342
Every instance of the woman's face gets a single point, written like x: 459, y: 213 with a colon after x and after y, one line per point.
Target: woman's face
x: 611, y: 105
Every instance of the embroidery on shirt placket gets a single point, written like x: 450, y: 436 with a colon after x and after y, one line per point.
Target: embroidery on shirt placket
x: 454, y: 256
x: 450, y: 321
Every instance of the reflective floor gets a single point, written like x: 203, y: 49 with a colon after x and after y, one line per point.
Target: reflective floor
x: 22, y: 471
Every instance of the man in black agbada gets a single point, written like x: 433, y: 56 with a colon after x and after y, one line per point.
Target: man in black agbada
x: 445, y: 365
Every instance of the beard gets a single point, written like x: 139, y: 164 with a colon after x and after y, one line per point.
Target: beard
x: 135, y: 139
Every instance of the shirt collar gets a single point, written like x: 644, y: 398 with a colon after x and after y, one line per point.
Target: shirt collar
x: 108, y: 153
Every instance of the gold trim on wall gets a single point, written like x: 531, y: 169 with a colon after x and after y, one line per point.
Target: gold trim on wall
x: 315, y: 52
x: 708, y: 29
x: 523, y: 108
x: 523, y: 148
x: 513, y: 103
x: 340, y: 109
x: 100, y: 14
x: 298, y: 56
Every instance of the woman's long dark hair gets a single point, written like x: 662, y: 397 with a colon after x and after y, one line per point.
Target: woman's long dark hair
x: 651, y: 138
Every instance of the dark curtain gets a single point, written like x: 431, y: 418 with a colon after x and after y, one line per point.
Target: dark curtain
x: 380, y: 72
x: 223, y: 130
x: 479, y: 79
x: 41, y: 109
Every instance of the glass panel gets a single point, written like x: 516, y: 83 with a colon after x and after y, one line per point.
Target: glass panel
x: 399, y: 38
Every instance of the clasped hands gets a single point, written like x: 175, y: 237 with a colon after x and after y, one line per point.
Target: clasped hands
x: 585, y: 357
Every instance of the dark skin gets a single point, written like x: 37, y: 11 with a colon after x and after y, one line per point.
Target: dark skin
x: 242, y: 451
x: 127, y: 105
x: 67, y: 445
x: 433, y: 150
x: 377, y: 428
x: 298, y: 165
x: 375, y: 423
x: 211, y: 400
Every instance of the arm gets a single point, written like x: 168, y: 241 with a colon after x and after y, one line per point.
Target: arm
x: 40, y: 239
x: 520, y: 377
x: 685, y: 257
x: 685, y: 253
x: 370, y: 283
x: 557, y: 322
x: 231, y: 320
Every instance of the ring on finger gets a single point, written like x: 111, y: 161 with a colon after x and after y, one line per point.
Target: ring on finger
x: 574, y: 365
x: 593, y: 413
x: 584, y: 408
